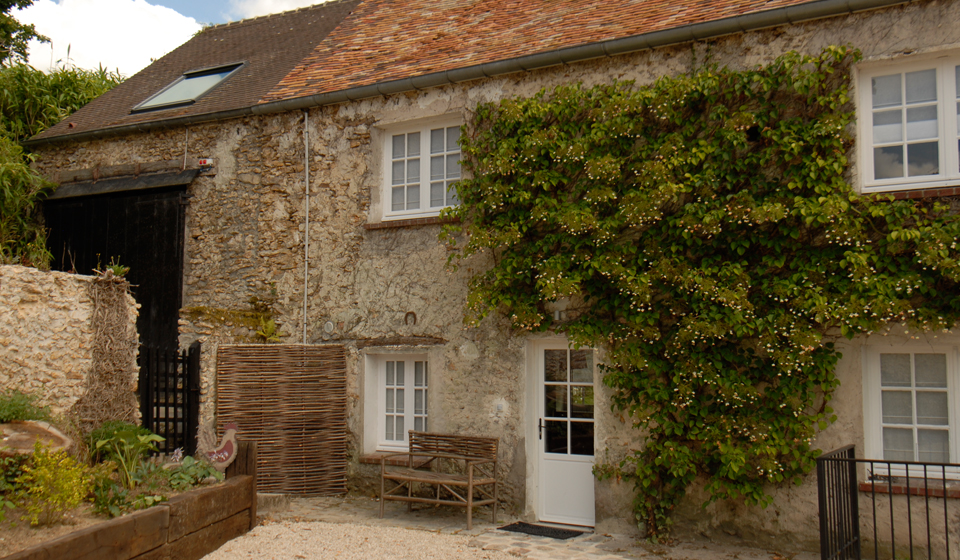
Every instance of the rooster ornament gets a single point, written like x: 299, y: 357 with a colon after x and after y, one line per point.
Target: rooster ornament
x: 222, y: 455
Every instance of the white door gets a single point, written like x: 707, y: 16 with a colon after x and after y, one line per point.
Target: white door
x: 565, y: 435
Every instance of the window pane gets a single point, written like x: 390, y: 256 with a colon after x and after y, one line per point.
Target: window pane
x: 436, y: 141
x: 453, y: 166
x: 436, y: 195
x: 425, y: 408
x: 886, y: 91
x: 555, y: 438
x: 398, y: 173
x: 390, y: 373
x: 888, y: 126
x: 418, y: 401
x: 453, y: 138
x: 932, y: 408
x: 897, y: 444
x: 398, y: 150
x: 397, y: 202
x: 581, y: 438
x: 418, y: 424
x: 389, y: 405
x: 452, y: 198
x: 400, y: 432
x: 931, y: 370
x: 388, y: 431
x: 555, y: 365
x: 897, y: 407
x: 581, y: 402
x: 923, y: 159
x: 419, y: 379
x: 555, y: 401
x: 895, y: 370
x: 399, y: 403
x: 413, y: 198
x: 436, y: 168
x: 888, y: 162
x: 413, y: 144
x: 921, y: 86
x: 413, y: 171
x: 933, y: 446
x: 581, y: 366
x: 922, y: 123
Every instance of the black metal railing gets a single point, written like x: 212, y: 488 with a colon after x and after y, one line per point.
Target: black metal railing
x: 170, y: 395
x: 902, y: 510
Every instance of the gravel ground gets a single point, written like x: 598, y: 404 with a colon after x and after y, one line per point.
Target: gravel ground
x: 308, y: 541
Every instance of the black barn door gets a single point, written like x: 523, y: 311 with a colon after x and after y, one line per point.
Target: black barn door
x: 141, y: 230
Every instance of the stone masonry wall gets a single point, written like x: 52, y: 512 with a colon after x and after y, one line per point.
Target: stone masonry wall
x: 46, y: 336
x: 245, y: 243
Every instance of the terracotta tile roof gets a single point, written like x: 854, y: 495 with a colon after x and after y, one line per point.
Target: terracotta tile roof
x: 271, y: 46
x: 387, y: 40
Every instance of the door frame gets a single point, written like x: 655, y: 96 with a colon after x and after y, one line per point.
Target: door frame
x: 533, y: 348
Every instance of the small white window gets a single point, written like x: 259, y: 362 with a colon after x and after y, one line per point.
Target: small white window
x: 908, y: 124
x: 421, y: 166
x: 402, y: 406
x: 910, y: 397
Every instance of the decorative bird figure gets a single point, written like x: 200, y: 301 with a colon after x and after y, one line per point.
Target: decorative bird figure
x: 222, y: 455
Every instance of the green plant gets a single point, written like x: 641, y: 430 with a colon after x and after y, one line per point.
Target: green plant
x: 191, y: 472
x: 700, y: 230
x: 268, y: 331
x: 19, y: 406
x: 11, y: 468
x: 50, y: 485
x: 115, y: 267
x: 127, y: 447
x: 110, y: 429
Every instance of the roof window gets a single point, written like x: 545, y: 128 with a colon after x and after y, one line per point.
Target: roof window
x: 188, y: 88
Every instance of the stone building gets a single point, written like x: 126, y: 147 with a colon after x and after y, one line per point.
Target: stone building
x: 303, y: 141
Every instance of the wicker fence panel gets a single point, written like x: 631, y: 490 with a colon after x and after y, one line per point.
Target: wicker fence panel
x: 290, y: 399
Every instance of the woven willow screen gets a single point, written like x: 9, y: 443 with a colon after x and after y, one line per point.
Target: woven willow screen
x: 291, y: 400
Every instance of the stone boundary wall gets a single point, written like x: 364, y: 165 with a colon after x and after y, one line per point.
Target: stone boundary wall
x: 46, y: 334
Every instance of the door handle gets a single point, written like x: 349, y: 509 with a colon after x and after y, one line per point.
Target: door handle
x: 540, y: 428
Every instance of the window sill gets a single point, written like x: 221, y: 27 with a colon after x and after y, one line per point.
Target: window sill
x: 413, y: 222
x: 933, y: 192
x: 934, y: 488
x: 374, y: 459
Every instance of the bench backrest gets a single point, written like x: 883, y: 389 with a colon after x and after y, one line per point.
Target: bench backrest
x: 470, y: 446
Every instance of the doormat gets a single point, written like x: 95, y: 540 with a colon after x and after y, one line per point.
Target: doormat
x: 540, y: 530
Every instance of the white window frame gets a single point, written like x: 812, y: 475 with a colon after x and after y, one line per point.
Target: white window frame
x: 872, y: 414
x: 409, y: 412
x: 947, y: 138
x: 386, y: 190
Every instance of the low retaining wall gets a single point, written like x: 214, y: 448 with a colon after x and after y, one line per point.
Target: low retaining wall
x: 188, y: 527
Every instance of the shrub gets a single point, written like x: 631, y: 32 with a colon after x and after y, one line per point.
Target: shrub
x: 10, y: 470
x: 50, y: 485
x: 125, y: 444
x: 18, y: 406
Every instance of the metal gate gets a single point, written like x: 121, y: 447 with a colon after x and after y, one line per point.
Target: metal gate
x: 839, y: 506
x: 170, y: 395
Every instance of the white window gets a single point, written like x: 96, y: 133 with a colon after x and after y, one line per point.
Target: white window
x: 421, y: 165
x: 910, y: 398
x: 908, y: 124
x: 402, y: 406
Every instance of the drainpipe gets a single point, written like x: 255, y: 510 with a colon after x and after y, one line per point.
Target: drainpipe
x: 306, y: 227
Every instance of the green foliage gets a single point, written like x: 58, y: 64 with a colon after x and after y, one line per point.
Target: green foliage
x: 18, y: 406
x: 50, y: 485
x: 191, y: 472
x: 127, y: 446
x: 11, y: 468
x: 30, y: 102
x: 703, y: 233
x: 15, y: 36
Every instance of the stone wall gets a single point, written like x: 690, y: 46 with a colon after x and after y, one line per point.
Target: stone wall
x: 46, y: 335
x: 246, y: 226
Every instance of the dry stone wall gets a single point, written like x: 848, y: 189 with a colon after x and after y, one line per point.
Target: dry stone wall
x: 245, y: 261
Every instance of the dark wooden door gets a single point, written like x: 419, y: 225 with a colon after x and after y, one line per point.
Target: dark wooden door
x: 141, y: 230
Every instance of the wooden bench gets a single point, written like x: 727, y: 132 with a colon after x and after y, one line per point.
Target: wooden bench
x: 457, y: 466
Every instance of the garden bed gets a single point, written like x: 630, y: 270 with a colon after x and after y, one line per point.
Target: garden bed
x: 187, y: 527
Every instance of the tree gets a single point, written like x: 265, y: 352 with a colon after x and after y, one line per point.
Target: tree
x: 703, y: 231
x: 15, y: 36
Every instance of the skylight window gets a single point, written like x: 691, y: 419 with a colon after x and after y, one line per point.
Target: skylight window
x: 188, y: 88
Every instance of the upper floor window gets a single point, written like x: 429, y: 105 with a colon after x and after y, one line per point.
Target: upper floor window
x: 908, y: 125
x: 421, y: 166
x: 188, y: 88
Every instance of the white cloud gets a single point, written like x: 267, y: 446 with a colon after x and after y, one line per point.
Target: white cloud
x: 252, y: 8
x: 118, y: 34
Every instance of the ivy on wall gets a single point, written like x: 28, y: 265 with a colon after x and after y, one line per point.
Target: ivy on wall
x: 703, y: 231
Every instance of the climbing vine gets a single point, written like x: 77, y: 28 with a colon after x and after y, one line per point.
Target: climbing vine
x: 701, y: 230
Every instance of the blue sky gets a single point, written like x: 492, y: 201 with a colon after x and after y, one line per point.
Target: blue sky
x: 126, y: 35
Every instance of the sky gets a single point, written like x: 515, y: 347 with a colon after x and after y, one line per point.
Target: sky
x: 124, y: 35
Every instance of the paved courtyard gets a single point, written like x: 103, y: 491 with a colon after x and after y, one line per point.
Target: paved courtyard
x: 484, y: 535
